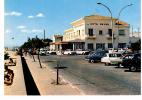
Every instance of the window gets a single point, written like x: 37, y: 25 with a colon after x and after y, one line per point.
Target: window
x: 121, y: 45
x: 90, y: 32
x: 109, y: 45
x: 121, y: 32
x: 91, y: 23
x: 79, y: 32
x: 110, y: 32
x: 90, y: 46
x: 100, y: 46
x: 100, y: 32
x: 106, y: 24
x: 115, y: 55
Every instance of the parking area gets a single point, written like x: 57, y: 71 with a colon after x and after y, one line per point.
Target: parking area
x: 96, y: 78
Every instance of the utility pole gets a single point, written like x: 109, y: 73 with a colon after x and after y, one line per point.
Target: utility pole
x: 57, y: 80
x: 44, y: 35
x: 132, y: 30
x: 138, y: 31
x: 111, y: 19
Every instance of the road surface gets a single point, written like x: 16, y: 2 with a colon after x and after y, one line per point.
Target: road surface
x: 95, y: 78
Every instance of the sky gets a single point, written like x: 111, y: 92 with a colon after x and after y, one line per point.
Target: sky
x: 28, y: 18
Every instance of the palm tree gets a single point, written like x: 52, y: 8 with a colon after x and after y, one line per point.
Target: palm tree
x: 36, y: 43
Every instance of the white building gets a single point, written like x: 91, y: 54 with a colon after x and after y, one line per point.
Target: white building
x: 95, y: 32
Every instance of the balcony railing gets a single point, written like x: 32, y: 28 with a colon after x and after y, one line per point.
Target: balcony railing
x: 109, y: 36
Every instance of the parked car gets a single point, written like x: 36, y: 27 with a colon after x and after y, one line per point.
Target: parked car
x: 51, y: 52
x: 69, y: 52
x: 112, y: 58
x: 93, y: 53
x: 95, y: 57
x: 43, y: 51
x: 81, y: 52
x: 126, y: 60
x: 134, y: 63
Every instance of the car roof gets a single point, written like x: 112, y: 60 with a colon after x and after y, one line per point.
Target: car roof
x: 115, y: 53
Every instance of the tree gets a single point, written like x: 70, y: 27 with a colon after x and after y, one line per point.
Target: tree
x: 34, y: 43
x: 47, y: 42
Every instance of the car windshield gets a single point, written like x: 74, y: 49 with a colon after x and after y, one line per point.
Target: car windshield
x: 118, y: 55
x: 114, y: 55
x: 128, y: 57
x: 137, y: 56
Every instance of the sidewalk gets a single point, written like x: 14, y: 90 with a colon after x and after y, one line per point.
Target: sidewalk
x: 45, y: 79
x: 18, y: 86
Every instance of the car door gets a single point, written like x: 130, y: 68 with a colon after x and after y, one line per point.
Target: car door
x: 112, y: 56
x: 137, y: 60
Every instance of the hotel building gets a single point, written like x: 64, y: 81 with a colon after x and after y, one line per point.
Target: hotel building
x: 95, y: 32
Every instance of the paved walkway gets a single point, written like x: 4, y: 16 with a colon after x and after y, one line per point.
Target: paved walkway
x: 43, y: 77
x: 45, y: 80
x: 18, y: 86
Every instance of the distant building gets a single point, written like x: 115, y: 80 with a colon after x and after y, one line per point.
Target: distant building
x: 134, y: 39
x: 95, y: 32
x: 135, y: 34
x: 57, y: 43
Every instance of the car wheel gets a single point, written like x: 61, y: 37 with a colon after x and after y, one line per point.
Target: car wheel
x: 120, y: 65
x: 92, y: 61
x: 132, y: 68
x: 106, y: 64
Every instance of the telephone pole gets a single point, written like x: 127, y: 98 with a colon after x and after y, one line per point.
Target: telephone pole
x: 44, y: 35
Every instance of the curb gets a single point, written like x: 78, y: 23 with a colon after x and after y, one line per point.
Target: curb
x: 65, y: 80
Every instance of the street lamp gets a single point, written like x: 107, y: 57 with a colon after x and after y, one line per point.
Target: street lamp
x: 120, y: 13
x: 122, y: 10
x: 111, y: 22
x: 13, y: 42
x: 116, y: 20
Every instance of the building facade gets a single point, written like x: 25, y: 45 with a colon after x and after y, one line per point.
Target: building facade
x: 95, y: 32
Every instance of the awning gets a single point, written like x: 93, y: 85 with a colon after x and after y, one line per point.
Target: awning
x: 76, y: 40
x: 58, y: 43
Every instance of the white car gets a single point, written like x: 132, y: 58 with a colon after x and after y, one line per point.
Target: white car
x: 42, y: 51
x: 81, y: 52
x: 51, y: 52
x: 112, y: 58
x: 69, y: 52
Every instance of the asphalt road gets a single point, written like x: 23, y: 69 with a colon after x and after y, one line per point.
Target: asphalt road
x: 95, y: 78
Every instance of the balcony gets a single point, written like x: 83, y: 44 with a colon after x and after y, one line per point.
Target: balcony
x: 91, y: 37
x: 109, y: 36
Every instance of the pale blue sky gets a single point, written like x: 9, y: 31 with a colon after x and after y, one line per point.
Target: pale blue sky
x: 28, y: 18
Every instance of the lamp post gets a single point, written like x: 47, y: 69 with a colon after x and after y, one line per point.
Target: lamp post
x: 119, y: 16
x: 116, y: 20
x: 120, y: 13
x: 111, y: 22
x: 122, y: 10
x: 13, y: 43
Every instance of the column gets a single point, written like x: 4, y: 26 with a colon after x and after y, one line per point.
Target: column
x: 73, y: 46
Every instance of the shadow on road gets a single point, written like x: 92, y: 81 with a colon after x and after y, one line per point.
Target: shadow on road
x: 131, y: 71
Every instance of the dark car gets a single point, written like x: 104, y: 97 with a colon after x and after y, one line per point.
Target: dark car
x: 91, y: 53
x: 126, y: 60
x: 133, y: 62
x: 96, y: 57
